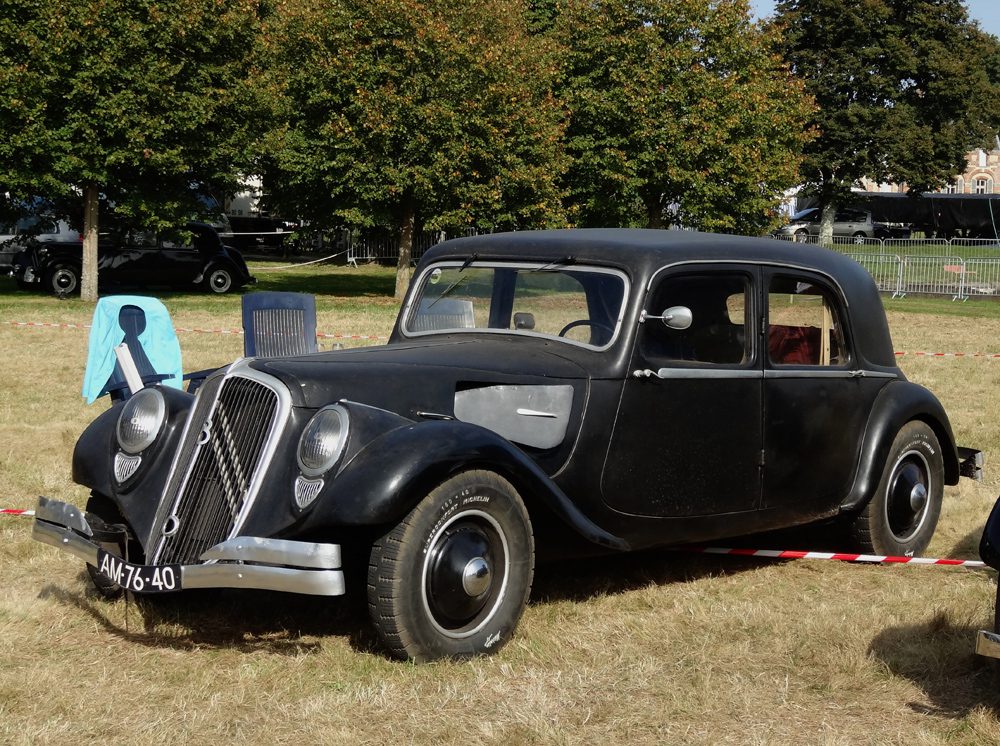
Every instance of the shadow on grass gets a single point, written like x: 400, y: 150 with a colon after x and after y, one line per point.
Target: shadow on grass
x: 247, y: 621
x: 937, y: 656
x: 287, y: 624
x: 610, y: 575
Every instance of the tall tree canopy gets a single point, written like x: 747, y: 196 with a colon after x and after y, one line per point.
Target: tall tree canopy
x: 138, y: 100
x: 903, y: 89
x: 415, y: 113
x: 681, y: 113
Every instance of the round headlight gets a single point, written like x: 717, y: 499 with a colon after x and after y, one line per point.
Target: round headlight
x: 140, y: 420
x: 323, y: 441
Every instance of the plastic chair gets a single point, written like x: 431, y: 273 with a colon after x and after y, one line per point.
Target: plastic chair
x: 279, y: 324
x: 144, y: 325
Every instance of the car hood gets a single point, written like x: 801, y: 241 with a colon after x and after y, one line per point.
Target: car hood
x: 423, y: 376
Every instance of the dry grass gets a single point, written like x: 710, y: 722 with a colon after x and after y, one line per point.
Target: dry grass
x: 655, y: 648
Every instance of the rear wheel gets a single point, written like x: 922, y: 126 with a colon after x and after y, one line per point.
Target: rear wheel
x: 903, y: 513
x: 801, y: 235
x: 219, y: 280
x: 452, y: 578
x: 859, y: 237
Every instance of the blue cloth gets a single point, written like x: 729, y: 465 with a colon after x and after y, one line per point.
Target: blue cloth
x: 158, y: 340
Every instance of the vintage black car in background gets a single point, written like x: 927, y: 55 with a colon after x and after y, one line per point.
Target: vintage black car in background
x: 549, y: 391
x: 195, y: 257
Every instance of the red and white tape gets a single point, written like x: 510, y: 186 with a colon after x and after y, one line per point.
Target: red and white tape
x: 837, y: 556
x: 10, y: 511
x: 949, y: 354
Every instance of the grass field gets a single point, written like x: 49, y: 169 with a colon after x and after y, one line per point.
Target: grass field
x: 654, y: 648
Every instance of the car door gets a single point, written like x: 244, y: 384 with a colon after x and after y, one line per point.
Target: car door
x: 181, y: 258
x: 816, y: 404
x: 687, y: 438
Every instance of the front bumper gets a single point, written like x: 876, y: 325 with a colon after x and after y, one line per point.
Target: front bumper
x: 988, y: 644
x: 242, y: 562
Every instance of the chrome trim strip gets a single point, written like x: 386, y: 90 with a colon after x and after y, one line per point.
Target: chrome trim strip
x: 277, y: 552
x: 263, y: 577
x: 63, y: 514
x: 707, y: 373
x: 826, y: 373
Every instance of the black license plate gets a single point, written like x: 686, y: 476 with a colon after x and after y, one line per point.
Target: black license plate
x: 139, y: 578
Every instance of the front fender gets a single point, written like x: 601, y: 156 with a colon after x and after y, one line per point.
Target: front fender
x: 138, y: 497
x: 898, y: 403
x: 390, y: 475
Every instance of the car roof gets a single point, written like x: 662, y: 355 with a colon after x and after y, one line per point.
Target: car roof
x: 641, y: 252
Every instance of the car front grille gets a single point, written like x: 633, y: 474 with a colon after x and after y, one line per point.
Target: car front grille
x: 225, y: 450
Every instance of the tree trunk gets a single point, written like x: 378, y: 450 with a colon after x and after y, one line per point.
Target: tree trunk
x: 406, y: 222
x: 88, y: 281
x: 654, y: 212
x: 829, y: 211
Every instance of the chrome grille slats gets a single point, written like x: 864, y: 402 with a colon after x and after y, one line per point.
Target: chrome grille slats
x: 227, y: 447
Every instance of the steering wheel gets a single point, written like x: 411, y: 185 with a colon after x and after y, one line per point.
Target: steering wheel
x: 585, y: 322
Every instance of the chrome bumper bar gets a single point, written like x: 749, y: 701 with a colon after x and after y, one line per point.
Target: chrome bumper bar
x: 290, y: 566
x: 988, y: 644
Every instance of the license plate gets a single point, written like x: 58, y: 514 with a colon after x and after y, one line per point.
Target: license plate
x: 139, y: 578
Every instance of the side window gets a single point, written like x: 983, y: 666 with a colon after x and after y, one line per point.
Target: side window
x: 804, y: 324
x: 719, y: 320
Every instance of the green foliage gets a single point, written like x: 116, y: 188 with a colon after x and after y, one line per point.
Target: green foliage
x: 680, y: 113
x: 395, y: 111
x: 903, y: 89
x: 139, y: 97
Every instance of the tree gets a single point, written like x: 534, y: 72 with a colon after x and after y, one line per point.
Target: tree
x: 902, y: 87
x: 134, y: 100
x: 681, y: 113
x: 432, y: 114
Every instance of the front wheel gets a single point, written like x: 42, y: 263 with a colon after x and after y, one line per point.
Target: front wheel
x: 901, y: 517
x: 452, y: 578
x: 63, y: 279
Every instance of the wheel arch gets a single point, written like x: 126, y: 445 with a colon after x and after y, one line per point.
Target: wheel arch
x: 387, y: 478
x: 898, y: 403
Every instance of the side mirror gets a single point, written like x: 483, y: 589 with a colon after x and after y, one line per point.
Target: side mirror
x: 524, y: 320
x: 675, y: 317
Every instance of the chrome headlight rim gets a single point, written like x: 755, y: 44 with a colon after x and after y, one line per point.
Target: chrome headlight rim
x: 311, y: 466
x: 137, y: 442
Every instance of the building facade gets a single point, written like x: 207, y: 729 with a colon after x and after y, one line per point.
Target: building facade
x: 981, y: 176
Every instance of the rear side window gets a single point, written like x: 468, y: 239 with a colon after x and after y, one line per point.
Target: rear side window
x: 804, y: 324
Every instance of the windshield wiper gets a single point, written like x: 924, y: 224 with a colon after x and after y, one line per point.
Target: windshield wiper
x: 458, y: 281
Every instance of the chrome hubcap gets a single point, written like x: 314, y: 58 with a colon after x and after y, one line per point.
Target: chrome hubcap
x: 476, y: 578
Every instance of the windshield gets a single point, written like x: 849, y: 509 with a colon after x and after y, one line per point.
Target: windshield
x: 582, y: 305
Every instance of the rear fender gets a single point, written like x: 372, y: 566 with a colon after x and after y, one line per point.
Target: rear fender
x: 898, y: 403
x: 989, y: 545
x: 391, y: 474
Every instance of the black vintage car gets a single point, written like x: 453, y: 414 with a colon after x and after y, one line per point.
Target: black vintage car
x: 194, y: 257
x: 549, y: 391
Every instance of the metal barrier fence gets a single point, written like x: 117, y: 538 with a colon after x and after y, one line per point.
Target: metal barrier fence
x: 959, y: 267
x: 382, y: 246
